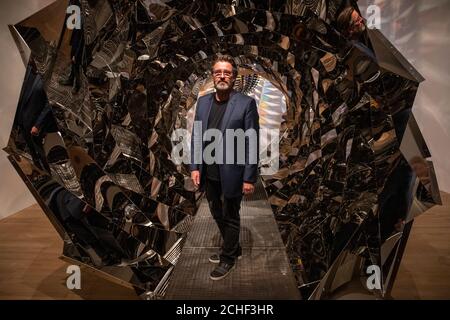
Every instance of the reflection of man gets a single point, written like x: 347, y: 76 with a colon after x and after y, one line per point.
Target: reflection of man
x: 350, y: 23
x: 75, y: 214
x: 395, y: 199
x: 77, y: 218
x: 34, y: 116
x: 226, y: 183
x: 352, y: 26
x: 422, y: 171
x: 76, y: 55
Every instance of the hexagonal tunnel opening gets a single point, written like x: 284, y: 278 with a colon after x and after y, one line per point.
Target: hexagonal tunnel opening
x: 354, y: 169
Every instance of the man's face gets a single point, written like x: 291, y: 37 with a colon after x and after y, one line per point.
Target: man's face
x: 357, y: 24
x: 420, y: 169
x: 223, y: 76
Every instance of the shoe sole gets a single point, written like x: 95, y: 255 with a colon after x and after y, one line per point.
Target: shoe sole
x: 217, y: 261
x: 221, y: 277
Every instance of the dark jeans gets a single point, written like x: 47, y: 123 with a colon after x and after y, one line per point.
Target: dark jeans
x: 225, y: 212
x: 395, y: 199
x: 36, y: 149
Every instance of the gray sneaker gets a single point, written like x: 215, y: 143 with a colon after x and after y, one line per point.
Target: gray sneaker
x: 215, y: 258
x: 221, y: 271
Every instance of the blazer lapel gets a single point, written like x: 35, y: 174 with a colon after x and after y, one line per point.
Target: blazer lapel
x: 29, y: 88
x: 228, y: 111
x: 205, y: 118
x: 24, y: 92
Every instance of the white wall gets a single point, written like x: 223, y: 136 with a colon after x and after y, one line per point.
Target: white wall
x: 420, y: 29
x: 14, y: 195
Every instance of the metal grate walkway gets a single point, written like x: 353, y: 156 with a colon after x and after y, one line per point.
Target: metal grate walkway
x: 262, y: 273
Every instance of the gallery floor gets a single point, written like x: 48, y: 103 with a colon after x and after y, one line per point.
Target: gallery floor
x: 30, y: 268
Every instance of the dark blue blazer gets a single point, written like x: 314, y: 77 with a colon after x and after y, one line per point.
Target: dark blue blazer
x: 33, y: 109
x: 241, y: 113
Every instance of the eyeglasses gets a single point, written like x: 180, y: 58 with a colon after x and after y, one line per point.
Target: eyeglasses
x: 226, y: 74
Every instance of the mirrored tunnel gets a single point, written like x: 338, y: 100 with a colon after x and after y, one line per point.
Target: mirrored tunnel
x: 105, y: 90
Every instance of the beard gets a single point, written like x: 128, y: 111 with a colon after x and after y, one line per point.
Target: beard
x: 222, y: 86
x: 358, y: 32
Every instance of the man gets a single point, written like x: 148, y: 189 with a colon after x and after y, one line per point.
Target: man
x: 350, y: 23
x: 34, y: 117
x: 225, y: 183
x: 364, y: 66
x: 394, y: 199
x: 352, y: 26
x: 76, y: 55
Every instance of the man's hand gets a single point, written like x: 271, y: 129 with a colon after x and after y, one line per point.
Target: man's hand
x: 195, y: 176
x: 87, y: 209
x: 34, y: 131
x: 399, y: 225
x: 248, y: 188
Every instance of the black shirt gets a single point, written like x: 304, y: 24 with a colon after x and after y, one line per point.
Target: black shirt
x: 214, y: 121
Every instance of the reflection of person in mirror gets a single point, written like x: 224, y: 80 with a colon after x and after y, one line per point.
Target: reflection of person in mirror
x: 226, y: 183
x: 76, y: 55
x: 34, y: 117
x: 350, y: 23
x: 81, y: 222
x: 422, y: 171
x: 395, y: 199
x: 352, y: 26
